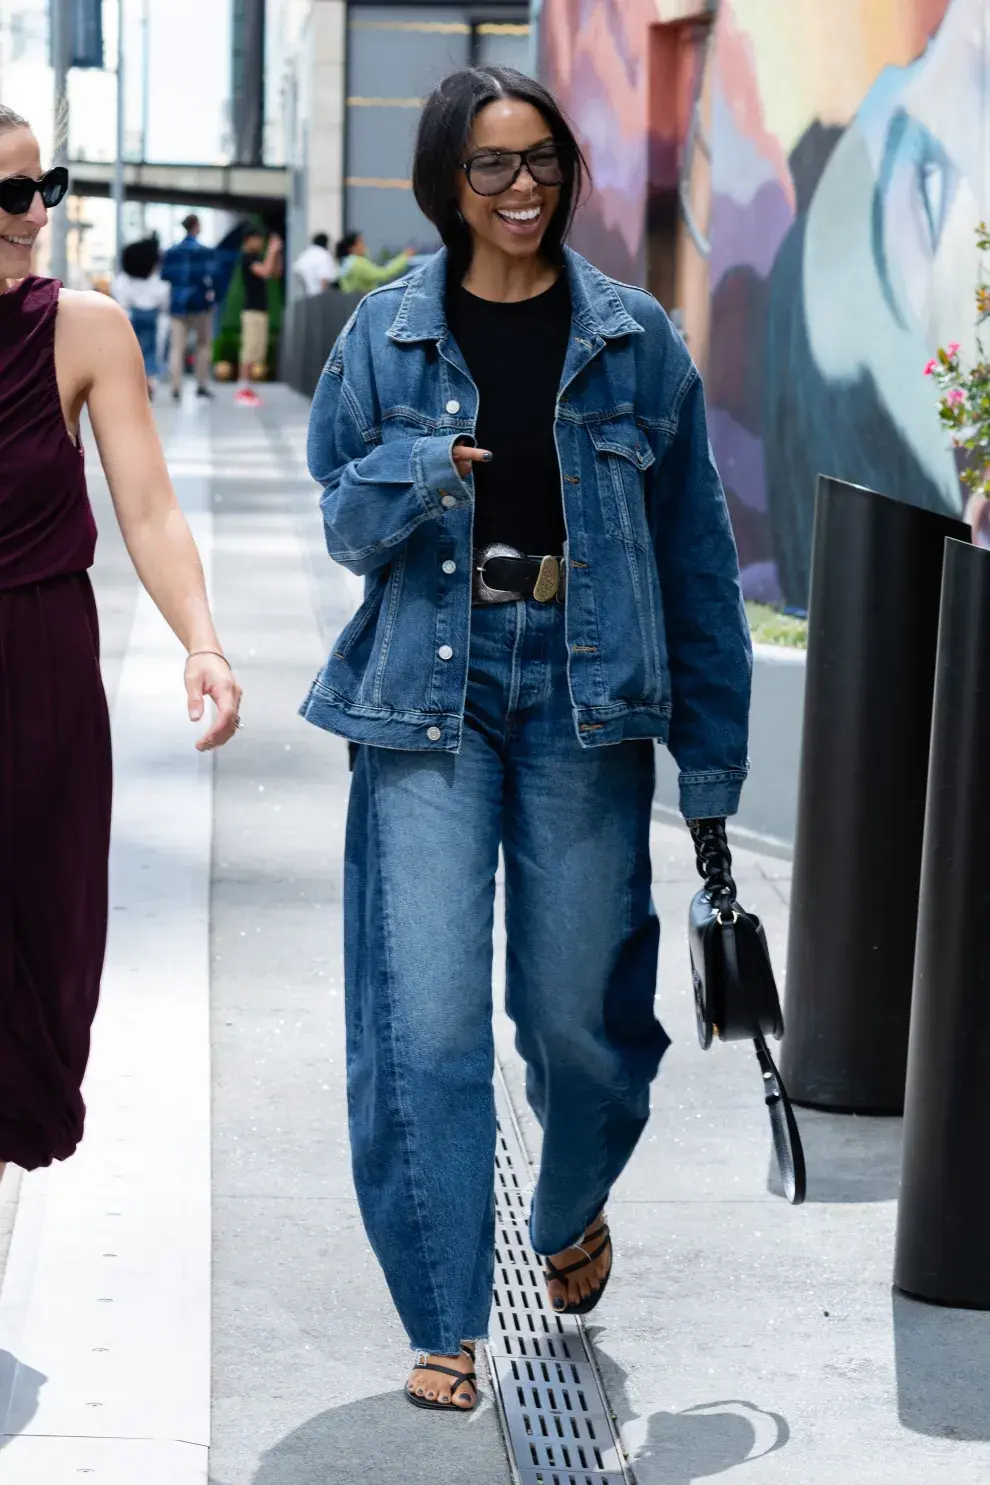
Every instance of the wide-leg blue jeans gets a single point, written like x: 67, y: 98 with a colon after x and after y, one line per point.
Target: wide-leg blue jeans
x: 423, y: 838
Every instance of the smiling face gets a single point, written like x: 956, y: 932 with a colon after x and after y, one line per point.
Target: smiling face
x: 515, y: 221
x: 19, y: 156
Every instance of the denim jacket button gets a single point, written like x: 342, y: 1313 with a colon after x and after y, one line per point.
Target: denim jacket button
x: 445, y: 652
x: 449, y: 567
x: 453, y: 406
x: 434, y: 734
x: 448, y: 501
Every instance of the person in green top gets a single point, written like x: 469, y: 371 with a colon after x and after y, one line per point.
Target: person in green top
x: 358, y: 274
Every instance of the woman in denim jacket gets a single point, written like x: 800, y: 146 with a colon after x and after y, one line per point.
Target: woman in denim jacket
x: 514, y: 455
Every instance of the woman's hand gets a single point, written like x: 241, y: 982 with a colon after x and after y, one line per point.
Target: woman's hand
x: 465, y: 455
x: 210, y: 675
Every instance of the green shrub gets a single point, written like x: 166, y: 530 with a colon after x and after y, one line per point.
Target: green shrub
x: 769, y: 626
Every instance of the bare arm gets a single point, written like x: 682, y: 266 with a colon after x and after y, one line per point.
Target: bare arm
x: 96, y: 341
x: 271, y: 264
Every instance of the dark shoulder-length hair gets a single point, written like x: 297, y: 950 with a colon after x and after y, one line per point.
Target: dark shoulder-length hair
x: 140, y: 259
x: 441, y: 142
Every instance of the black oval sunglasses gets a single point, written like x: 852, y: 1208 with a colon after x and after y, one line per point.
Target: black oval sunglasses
x: 17, y: 191
x: 490, y: 172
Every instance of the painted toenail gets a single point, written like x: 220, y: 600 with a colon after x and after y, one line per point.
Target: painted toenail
x: 558, y: 1303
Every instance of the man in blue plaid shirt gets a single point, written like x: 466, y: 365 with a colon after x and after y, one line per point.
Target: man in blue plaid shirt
x: 188, y: 268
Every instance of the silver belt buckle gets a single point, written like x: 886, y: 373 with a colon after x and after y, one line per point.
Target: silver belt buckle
x: 482, y: 592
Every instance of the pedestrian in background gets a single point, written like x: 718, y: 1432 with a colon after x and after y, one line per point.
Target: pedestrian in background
x: 258, y: 265
x: 509, y: 694
x: 316, y: 267
x: 358, y: 274
x: 187, y: 269
x: 140, y: 289
x: 61, y: 352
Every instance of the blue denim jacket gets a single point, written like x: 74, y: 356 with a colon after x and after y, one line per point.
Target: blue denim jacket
x: 188, y: 266
x: 657, y: 637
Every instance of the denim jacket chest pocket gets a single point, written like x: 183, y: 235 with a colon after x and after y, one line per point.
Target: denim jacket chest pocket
x: 404, y: 422
x: 622, y: 457
x: 407, y: 422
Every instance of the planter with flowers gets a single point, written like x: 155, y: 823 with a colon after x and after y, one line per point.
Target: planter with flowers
x: 964, y: 409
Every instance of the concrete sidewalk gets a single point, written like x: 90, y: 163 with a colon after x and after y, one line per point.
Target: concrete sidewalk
x: 739, y: 1337
x: 309, y: 1357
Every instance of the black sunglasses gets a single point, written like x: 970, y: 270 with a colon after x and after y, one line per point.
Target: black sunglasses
x: 17, y: 191
x: 491, y: 172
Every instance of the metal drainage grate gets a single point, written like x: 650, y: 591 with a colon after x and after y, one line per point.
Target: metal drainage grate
x: 557, y: 1422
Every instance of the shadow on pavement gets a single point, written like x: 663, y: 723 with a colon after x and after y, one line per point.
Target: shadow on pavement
x: 942, y: 1358
x: 696, y: 1443
x: 20, y: 1390
x: 381, y: 1438
x: 850, y: 1158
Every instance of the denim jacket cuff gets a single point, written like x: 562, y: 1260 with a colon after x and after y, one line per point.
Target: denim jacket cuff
x: 435, y: 474
x: 711, y: 795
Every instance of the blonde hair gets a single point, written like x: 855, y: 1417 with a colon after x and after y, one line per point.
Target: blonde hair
x: 11, y: 120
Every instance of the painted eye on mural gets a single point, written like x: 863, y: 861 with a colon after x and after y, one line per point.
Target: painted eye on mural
x: 931, y: 189
x: 931, y: 177
x: 934, y: 180
x: 916, y: 186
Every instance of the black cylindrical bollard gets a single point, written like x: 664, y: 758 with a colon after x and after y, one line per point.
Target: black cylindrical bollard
x: 944, y: 1213
x: 873, y: 623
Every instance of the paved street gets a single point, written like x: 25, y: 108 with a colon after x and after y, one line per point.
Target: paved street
x: 739, y: 1338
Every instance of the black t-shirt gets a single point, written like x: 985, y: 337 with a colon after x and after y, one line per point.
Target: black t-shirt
x: 515, y: 354
x: 255, y: 288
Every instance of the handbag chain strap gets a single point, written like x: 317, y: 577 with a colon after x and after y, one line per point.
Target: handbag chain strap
x: 714, y: 862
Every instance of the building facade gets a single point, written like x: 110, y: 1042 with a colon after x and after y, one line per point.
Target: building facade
x: 345, y: 85
x: 25, y: 74
x: 799, y: 183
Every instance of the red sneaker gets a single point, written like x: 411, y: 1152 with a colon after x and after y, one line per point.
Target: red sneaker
x: 247, y: 397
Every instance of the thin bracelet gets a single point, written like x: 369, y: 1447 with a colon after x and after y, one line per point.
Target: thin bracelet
x: 212, y: 652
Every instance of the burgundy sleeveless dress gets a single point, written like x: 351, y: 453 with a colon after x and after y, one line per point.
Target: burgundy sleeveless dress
x: 55, y: 774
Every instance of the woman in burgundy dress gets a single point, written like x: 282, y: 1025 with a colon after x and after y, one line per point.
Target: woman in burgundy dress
x: 61, y: 351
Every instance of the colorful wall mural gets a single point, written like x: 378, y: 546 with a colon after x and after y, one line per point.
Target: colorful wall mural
x: 848, y: 169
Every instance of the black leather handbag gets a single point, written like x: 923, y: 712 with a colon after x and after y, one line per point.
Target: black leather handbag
x: 735, y: 992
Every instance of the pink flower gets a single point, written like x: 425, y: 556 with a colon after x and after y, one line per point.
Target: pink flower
x: 953, y: 348
x: 932, y: 366
x: 955, y: 396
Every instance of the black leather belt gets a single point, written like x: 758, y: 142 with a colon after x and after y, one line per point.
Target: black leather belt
x: 504, y: 575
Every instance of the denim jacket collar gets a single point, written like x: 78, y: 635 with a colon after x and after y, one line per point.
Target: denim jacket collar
x: 595, y: 304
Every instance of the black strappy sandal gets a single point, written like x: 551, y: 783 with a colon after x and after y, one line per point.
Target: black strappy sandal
x: 586, y: 1305
x: 463, y: 1378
